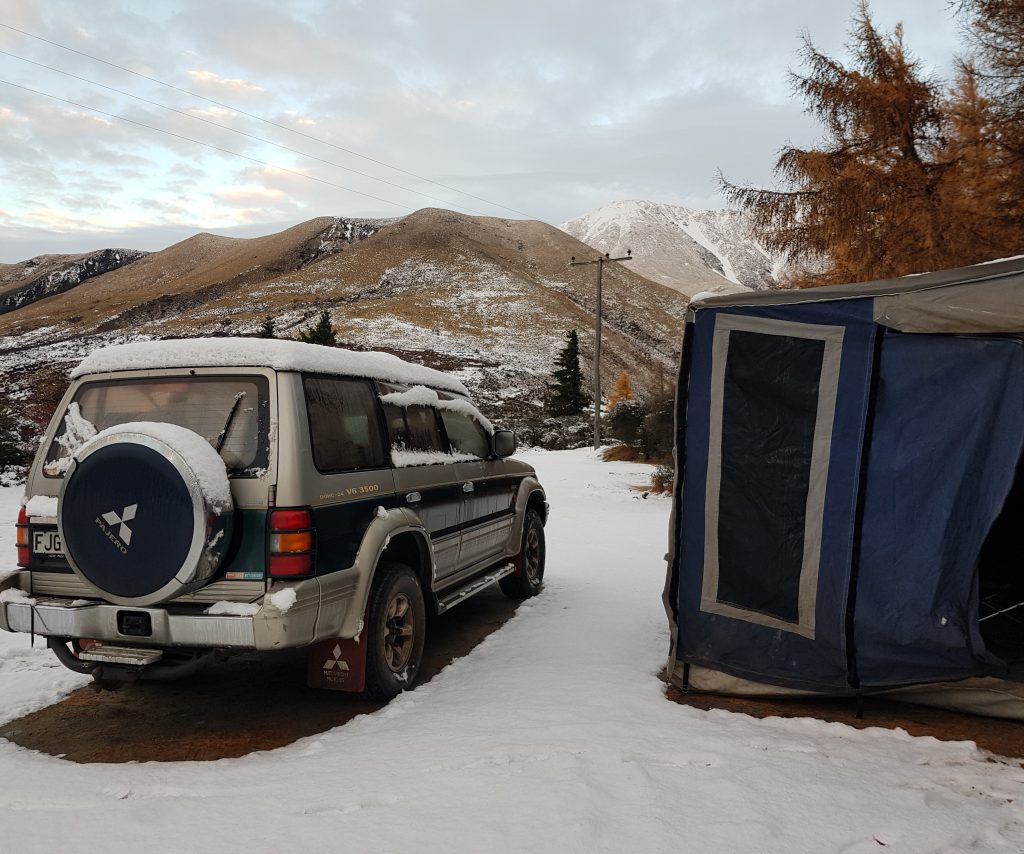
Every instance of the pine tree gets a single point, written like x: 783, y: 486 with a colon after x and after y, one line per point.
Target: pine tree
x: 565, y: 393
x: 869, y: 202
x: 321, y: 333
x: 622, y: 391
x: 977, y: 191
x: 12, y: 450
x: 268, y: 330
x: 995, y: 32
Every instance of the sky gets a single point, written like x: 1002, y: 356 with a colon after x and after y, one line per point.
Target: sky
x: 540, y: 109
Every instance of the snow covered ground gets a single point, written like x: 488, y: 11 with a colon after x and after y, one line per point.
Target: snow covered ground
x: 552, y: 735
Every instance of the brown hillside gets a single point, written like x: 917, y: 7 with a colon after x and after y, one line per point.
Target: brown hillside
x: 392, y: 271
x: 198, y: 268
x: 499, y: 289
x: 490, y: 298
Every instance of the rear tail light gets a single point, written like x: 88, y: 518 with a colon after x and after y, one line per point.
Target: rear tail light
x: 21, y: 537
x: 291, y: 544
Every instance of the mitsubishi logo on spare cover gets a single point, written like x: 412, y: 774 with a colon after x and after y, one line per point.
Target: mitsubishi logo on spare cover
x: 124, y: 532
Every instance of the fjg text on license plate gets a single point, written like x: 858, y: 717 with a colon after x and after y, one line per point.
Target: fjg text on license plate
x: 47, y: 543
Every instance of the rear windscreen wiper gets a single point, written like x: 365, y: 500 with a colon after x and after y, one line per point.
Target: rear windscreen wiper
x: 223, y: 434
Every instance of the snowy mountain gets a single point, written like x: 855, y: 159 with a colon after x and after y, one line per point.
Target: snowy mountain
x: 685, y: 249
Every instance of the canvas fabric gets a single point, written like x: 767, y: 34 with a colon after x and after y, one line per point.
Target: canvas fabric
x: 805, y: 649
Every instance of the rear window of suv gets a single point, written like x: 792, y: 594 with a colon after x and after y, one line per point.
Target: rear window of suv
x: 237, y: 407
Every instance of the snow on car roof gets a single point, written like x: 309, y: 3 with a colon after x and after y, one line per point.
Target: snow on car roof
x: 261, y: 352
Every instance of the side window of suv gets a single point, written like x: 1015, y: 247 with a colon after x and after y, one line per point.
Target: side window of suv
x: 396, y: 426
x: 465, y: 435
x: 424, y: 431
x: 343, y: 424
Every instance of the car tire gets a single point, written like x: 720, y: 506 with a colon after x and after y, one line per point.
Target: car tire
x: 396, y: 627
x: 528, y: 579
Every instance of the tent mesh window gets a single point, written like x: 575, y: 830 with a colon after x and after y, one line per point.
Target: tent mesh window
x: 767, y: 437
x: 773, y: 390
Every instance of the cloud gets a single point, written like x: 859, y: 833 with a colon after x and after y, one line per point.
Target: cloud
x: 551, y: 109
x: 217, y: 114
x: 86, y: 201
x: 9, y: 117
x: 62, y: 220
x: 233, y: 86
x: 248, y: 195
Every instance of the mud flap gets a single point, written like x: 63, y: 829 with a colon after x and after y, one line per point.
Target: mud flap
x: 337, y: 665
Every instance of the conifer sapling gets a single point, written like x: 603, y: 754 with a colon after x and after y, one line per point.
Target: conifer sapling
x: 322, y: 333
x: 565, y: 392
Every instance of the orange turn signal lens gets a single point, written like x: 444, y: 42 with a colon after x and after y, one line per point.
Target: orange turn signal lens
x: 21, y: 537
x: 291, y: 543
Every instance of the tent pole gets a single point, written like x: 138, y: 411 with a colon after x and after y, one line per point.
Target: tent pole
x: 852, y: 674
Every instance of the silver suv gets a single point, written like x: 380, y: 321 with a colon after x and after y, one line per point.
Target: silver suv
x: 204, y: 495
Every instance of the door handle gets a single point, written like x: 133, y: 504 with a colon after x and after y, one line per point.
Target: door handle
x: 468, y: 486
x: 413, y: 498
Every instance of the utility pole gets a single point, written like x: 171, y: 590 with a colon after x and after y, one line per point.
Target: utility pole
x: 601, y: 261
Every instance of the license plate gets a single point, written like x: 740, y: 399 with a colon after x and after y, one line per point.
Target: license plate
x: 47, y: 543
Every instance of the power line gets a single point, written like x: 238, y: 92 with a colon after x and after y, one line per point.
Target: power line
x: 264, y: 120
x: 206, y: 144
x: 235, y: 130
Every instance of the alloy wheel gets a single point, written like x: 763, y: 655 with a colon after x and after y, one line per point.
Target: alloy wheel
x: 398, y: 633
x: 532, y: 554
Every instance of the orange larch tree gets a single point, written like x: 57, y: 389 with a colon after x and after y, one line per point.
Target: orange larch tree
x: 899, y: 184
x: 622, y: 391
x: 995, y: 36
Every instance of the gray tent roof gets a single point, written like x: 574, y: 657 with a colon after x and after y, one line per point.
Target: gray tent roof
x: 983, y: 298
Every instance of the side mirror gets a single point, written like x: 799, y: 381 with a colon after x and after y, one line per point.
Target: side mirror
x: 504, y: 443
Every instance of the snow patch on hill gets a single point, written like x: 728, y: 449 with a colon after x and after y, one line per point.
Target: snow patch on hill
x: 340, y: 232
x: 36, y: 279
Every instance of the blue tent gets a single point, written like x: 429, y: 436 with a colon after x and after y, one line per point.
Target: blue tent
x: 848, y: 516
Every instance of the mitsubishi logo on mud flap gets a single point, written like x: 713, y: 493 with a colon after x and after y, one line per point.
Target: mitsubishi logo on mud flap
x: 123, y: 538
x: 336, y: 661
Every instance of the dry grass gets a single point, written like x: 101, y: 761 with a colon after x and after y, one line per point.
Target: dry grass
x: 663, y: 479
x: 621, y: 454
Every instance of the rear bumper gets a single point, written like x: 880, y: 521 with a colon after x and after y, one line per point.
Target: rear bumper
x: 56, y: 618
x: 268, y: 629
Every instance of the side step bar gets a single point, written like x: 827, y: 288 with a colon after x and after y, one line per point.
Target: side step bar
x: 110, y: 654
x: 451, y: 599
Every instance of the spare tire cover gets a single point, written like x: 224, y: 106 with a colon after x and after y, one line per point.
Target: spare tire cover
x: 133, y: 518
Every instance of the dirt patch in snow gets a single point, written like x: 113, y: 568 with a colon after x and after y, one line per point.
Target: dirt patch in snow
x: 1004, y: 738
x: 251, y: 702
